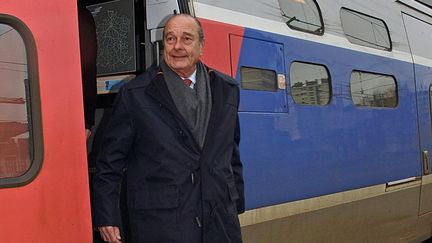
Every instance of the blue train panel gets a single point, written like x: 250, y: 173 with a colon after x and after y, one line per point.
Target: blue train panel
x: 305, y: 151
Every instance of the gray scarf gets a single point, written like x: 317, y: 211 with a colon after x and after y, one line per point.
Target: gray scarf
x: 193, y: 104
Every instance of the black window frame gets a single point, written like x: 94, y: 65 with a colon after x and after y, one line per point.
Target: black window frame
x: 389, y: 49
x: 330, y: 88
x: 35, y: 125
x: 427, y: 4
x: 320, y: 31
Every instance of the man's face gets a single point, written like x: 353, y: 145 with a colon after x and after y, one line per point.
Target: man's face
x: 182, y: 47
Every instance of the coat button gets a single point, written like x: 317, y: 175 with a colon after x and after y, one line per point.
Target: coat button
x: 198, y: 221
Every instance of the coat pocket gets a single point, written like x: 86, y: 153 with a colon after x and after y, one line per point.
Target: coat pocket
x: 154, y: 218
x: 157, y: 198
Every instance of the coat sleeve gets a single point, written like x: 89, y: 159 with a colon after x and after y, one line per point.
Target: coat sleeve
x: 237, y: 166
x: 111, y: 161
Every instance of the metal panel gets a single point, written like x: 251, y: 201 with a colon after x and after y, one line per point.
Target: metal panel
x: 269, y: 56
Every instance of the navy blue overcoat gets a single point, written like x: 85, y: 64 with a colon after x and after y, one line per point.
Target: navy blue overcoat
x: 176, y: 191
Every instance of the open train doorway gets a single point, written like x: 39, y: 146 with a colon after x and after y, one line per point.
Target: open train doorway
x: 129, y: 34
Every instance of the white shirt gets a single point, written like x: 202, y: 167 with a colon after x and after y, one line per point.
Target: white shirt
x: 192, y: 78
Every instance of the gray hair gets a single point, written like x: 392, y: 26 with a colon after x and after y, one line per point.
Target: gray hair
x: 197, y: 22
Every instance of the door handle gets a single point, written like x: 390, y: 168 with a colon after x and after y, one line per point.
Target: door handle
x: 426, y: 170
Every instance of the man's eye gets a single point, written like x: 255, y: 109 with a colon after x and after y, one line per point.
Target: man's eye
x: 170, y: 39
x: 187, y: 39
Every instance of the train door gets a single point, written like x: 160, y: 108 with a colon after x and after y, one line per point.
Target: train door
x: 261, y: 74
x: 44, y: 195
x: 419, y: 33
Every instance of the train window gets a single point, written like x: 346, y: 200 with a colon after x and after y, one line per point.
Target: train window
x: 258, y: 79
x: 17, y: 149
x: 373, y: 90
x: 303, y: 15
x: 365, y: 30
x: 426, y: 2
x: 310, y: 84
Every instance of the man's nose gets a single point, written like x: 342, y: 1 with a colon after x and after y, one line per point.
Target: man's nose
x: 178, y: 44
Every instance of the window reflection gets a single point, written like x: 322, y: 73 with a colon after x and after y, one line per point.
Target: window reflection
x: 374, y: 90
x: 258, y: 79
x: 14, y: 121
x: 365, y: 30
x: 302, y: 15
x: 310, y: 84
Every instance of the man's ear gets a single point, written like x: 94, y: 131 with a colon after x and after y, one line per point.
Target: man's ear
x: 201, y: 47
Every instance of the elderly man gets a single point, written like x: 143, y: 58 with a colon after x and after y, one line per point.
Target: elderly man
x: 176, y: 130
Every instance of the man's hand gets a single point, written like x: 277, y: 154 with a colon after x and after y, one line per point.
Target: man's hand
x: 110, y: 234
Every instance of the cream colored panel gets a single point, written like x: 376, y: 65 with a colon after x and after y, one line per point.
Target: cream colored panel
x: 426, y: 195
x: 288, y: 209
x: 365, y: 215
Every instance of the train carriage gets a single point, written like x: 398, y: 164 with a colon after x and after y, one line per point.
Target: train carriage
x: 335, y: 112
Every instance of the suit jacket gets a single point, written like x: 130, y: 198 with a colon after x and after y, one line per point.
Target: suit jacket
x: 176, y: 192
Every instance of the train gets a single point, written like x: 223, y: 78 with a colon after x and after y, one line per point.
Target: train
x: 335, y: 112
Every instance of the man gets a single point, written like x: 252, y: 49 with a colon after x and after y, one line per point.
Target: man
x: 176, y: 130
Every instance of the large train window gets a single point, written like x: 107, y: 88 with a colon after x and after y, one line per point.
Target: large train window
x: 303, y: 15
x: 365, y: 30
x: 373, y: 90
x: 17, y: 87
x: 310, y: 84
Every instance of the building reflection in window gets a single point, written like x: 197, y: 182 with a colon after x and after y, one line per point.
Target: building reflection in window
x: 15, y: 147
x: 310, y: 84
